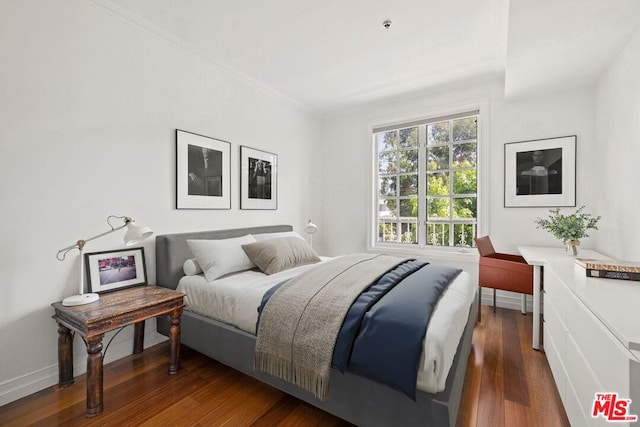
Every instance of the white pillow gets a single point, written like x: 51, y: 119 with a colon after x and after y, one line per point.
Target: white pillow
x: 191, y: 267
x: 220, y: 257
x: 268, y: 236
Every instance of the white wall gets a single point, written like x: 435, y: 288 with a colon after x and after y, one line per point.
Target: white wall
x: 348, y: 166
x: 89, y: 104
x: 618, y: 152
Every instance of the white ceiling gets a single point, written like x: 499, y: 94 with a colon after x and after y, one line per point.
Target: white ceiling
x: 331, y: 54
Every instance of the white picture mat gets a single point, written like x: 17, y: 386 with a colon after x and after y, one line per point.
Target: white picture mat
x: 568, y: 196
x: 183, y: 199
x: 245, y: 172
x: 94, y: 271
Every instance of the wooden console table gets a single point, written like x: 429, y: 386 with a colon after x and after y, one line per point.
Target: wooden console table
x: 113, y: 310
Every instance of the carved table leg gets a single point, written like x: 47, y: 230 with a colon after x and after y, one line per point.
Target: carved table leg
x: 174, y: 341
x: 94, y: 376
x: 138, y: 337
x: 65, y: 356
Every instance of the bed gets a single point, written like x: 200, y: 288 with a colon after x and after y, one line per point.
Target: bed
x: 351, y: 397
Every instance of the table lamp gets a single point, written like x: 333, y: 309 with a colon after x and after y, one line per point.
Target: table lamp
x: 134, y: 235
x: 310, y: 228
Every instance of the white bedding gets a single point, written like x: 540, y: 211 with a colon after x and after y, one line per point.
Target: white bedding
x: 235, y: 299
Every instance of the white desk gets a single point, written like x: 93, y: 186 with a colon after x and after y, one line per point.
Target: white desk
x: 537, y: 257
x: 591, y: 331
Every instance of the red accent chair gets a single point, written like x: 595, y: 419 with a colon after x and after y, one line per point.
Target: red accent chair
x: 502, y: 271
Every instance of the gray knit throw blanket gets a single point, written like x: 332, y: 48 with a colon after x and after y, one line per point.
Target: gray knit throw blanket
x: 300, y: 323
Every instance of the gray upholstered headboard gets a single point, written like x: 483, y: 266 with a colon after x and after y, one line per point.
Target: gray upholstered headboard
x: 172, y: 249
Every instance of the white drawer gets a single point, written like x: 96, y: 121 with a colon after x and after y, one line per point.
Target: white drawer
x: 577, y: 415
x: 555, y: 362
x: 582, y: 378
x: 606, y: 356
x: 554, y: 327
x: 557, y: 293
x: 582, y: 385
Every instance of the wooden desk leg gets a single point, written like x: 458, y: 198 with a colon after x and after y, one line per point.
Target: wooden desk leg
x: 138, y: 337
x: 536, y: 306
x: 174, y: 341
x: 65, y: 356
x: 94, y: 376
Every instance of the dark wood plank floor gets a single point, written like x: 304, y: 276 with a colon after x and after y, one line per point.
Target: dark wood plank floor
x: 508, y: 384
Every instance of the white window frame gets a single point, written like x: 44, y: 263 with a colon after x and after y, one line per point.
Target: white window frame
x: 481, y: 107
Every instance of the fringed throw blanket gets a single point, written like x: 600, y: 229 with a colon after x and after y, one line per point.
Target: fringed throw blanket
x: 300, y: 322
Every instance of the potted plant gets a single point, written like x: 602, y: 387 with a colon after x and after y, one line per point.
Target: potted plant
x: 569, y: 228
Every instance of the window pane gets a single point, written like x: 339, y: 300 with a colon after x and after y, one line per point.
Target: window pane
x: 408, y: 185
x: 387, y: 232
x: 438, y: 208
x: 465, y: 207
x: 388, y: 186
x: 409, y: 232
x: 464, y: 129
x: 463, y: 234
x: 387, y: 163
x: 408, y: 160
x: 465, y: 181
x: 438, y: 133
x: 409, y: 208
x: 408, y: 137
x: 438, y: 158
x: 465, y: 155
x: 387, y: 209
x: 438, y: 234
x: 438, y: 184
x: 387, y: 140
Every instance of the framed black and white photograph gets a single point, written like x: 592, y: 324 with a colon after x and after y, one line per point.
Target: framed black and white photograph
x: 111, y: 270
x: 203, y: 172
x: 258, y: 179
x: 540, y: 172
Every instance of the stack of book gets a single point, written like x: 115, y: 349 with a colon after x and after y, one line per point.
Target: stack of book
x: 610, y: 269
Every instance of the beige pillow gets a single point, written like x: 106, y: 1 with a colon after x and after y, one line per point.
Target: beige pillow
x: 279, y: 254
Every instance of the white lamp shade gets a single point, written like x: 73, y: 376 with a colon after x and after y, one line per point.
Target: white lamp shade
x: 310, y: 228
x: 136, y: 234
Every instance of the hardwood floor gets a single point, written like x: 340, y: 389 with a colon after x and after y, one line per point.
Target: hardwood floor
x: 507, y: 384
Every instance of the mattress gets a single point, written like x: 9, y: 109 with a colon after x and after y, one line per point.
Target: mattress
x: 234, y: 299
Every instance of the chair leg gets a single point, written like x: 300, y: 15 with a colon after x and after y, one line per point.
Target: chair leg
x: 494, y: 300
x: 479, y: 303
x: 523, y: 308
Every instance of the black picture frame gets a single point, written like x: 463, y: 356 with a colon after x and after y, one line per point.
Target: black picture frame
x: 203, y: 172
x: 109, y: 271
x: 540, y: 172
x: 258, y: 179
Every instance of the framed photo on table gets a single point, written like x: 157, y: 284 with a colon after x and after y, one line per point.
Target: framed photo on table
x: 112, y: 270
x: 540, y: 173
x: 203, y: 172
x: 258, y: 179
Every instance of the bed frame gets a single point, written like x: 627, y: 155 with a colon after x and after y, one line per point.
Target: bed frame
x: 352, y: 398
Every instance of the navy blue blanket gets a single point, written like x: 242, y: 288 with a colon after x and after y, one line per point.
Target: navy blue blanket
x: 382, y: 334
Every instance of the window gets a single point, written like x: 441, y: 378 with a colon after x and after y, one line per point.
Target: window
x: 427, y: 192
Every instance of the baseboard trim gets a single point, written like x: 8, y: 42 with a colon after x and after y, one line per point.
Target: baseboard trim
x: 24, y: 385
x: 505, y: 299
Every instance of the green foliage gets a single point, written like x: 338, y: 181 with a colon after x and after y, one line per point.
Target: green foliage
x: 568, y: 227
